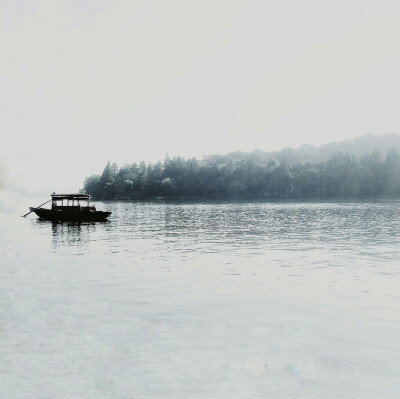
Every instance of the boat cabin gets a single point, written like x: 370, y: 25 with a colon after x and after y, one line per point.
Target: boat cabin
x: 78, y: 202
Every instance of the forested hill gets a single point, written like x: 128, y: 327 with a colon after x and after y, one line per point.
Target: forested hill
x: 306, y: 153
x: 366, y: 167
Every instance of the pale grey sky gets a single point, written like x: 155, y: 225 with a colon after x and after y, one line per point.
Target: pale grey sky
x: 86, y: 81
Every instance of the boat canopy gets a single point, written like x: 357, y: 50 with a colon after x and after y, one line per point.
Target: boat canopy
x: 70, y: 197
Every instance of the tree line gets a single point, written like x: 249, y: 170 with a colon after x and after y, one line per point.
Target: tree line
x: 249, y: 176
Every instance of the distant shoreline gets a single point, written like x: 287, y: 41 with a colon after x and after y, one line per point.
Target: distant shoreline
x: 199, y: 200
x: 367, y: 168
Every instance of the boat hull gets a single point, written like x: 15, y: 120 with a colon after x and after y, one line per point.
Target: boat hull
x: 70, y: 216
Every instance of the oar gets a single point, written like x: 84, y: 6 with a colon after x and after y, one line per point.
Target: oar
x: 37, y: 207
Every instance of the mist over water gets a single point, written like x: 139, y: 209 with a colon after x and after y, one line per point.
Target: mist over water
x: 221, y: 300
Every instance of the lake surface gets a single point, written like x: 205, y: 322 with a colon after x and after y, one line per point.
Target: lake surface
x: 202, y: 300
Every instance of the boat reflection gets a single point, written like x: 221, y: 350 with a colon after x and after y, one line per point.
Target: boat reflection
x: 71, y: 234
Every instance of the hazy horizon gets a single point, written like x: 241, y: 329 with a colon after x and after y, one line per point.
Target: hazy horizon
x: 88, y: 81
x: 7, y: 183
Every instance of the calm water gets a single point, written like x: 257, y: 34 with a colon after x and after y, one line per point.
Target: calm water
x: 216, y: 300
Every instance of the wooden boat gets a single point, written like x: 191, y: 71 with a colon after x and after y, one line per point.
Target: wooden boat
x: 70, y: 208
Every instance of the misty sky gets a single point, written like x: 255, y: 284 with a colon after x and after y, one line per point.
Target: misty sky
x: 86, y: 81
